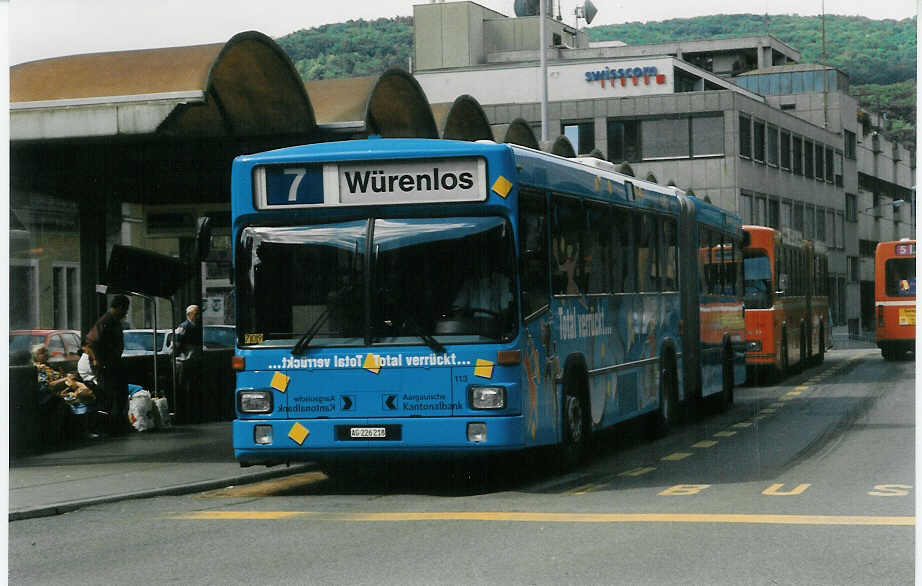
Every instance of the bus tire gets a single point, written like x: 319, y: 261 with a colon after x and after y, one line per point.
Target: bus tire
x: 726, y: 395
x: 575, y: 426
x: 666, y: 416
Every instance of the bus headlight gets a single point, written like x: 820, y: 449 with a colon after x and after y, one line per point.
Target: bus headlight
x: 487, y: 397
x: 262, y: 434
x: 254, y: 401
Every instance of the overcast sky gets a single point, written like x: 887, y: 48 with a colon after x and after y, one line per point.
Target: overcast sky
x: 48, y: 28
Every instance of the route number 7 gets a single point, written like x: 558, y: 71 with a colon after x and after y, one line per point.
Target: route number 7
x: 298, y: 172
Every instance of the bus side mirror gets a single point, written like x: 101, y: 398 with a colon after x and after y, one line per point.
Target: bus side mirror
x: 202, y: 238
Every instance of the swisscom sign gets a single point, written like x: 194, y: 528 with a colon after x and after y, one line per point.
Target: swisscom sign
x: 371, y: 183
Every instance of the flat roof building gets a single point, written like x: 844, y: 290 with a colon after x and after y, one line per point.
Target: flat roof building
x: 736, y: 121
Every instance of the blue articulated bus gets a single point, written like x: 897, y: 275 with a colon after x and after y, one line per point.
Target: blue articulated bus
x: 413, y: 296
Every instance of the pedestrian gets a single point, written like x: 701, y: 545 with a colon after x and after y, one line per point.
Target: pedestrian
x: 105, y: 343
x: 189, y: 358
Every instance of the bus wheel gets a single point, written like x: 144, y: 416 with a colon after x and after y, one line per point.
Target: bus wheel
x: 726, y: 395
x: 666, y: 416
x: 575, y: 430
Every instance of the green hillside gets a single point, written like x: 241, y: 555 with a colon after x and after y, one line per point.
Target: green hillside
x: 878, y: 55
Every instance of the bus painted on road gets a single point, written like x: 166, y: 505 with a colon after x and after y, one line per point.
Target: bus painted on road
x: 417, y: 296
x: 787, y: 302
x: 895, y: 297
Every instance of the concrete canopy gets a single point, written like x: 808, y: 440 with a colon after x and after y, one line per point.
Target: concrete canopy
x: 247, y: 86
x: 463, y: 119
x: 392, y: 105
x: 521, y: 133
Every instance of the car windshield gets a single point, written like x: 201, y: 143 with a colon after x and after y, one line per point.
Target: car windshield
x: 20, y: 342
x: 443, y: 279
x: 142, y: 341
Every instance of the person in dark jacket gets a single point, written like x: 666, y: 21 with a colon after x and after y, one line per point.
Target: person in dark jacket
x: 105, y: 343
x: 189, y: 354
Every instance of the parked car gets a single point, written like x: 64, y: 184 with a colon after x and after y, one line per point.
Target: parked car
x: 141, y: 341
x: 219, y: 336
x: 63, y: 345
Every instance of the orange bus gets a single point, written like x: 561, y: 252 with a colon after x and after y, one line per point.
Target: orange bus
x: 786, y: 300
x: 895, y: 297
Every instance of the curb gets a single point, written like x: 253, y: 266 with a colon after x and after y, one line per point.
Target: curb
x: 181, y: 489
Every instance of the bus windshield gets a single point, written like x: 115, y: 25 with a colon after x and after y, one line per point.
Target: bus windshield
x: 757, y: 275
x: 900, y: 279
x: 429, y: 281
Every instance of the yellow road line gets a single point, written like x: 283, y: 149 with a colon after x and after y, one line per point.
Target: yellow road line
x: 705, y: 444
x: 742, y: 424
x: 725, y: 434
x: 268, y: 487
x: 865, y: 520
x: 638, y: 471
x: 676, y: 457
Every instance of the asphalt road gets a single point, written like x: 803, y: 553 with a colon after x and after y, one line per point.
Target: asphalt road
x: 806, y: 481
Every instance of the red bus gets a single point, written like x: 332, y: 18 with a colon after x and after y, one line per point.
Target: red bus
x: 787, y: 302
x: 895, y: 297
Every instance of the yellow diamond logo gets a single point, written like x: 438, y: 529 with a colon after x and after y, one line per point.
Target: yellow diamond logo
x: 483, y: 369
x: 298, y: 433
x: 502, y: 186
x: 280, y: 382
x: 371, y: 364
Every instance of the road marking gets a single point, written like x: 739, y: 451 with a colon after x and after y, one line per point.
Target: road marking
x: 268, y: 487
x: 725, y: 434
x: 777, y: 405
x: 798, y: 390
x: 705, y: 444
x: 638, y: 471
x: 676, y: 456
x: 759, y: 417
x: 775, y: 490
x: 755, y: 519
x: 767, y: 411
x: 584, y: 489
x: 743, y: 424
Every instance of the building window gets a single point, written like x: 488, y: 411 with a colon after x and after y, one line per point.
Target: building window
x: 808, y: 159
x: 809, y: 225
x: 65, y: 287
x: 623, y: 141
x: 745, y: 137
x: 866, y: 248
x: 707, y: 135
x: 830, y: 165
x: 787, y: 214
x: 665, y: 138
x: 838, y: 165
x: 759, y: 215
x: 818, y: 161
x: 821, y: 225
x: 797, y: 148
x: 771, y: 146
x: 786, y: 151
x: 853, y: 269
x: 798, y: 223
x: 581, y: 135
x: 851, y: 207
x: 774, y: 214
x: 850, y: 148
x: 746, y: 208
x: 758, y: 142
x: 831, y: 227
x: 23, y: 294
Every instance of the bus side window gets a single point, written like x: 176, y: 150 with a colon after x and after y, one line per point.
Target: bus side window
x: 646, y: 252
x: 669, y: 255
x: 624, y: 270
x: 567, y: 244
x: 533, y: 252
x: 598, y: 248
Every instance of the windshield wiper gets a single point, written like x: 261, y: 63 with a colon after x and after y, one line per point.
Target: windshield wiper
x: 310, y: 333
x: 433, y: 344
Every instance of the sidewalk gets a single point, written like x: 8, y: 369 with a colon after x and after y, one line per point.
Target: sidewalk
x: 841, y: 339
x: 181, y: 460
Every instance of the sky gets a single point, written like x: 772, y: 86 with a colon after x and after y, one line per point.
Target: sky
x: 40, y: 29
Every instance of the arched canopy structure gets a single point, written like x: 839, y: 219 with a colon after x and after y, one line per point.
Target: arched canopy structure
x: 520, y: 132
x: 245, y: 87
x: 463, y: 119
x: 563, y: 147
x: 391, y: 105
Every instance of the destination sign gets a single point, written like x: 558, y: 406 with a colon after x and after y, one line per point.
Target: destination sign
x: 371, y: 183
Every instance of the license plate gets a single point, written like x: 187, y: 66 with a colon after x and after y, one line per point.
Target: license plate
x: 388, y: 432
x: 907, y: 316
x: 368, y: 432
